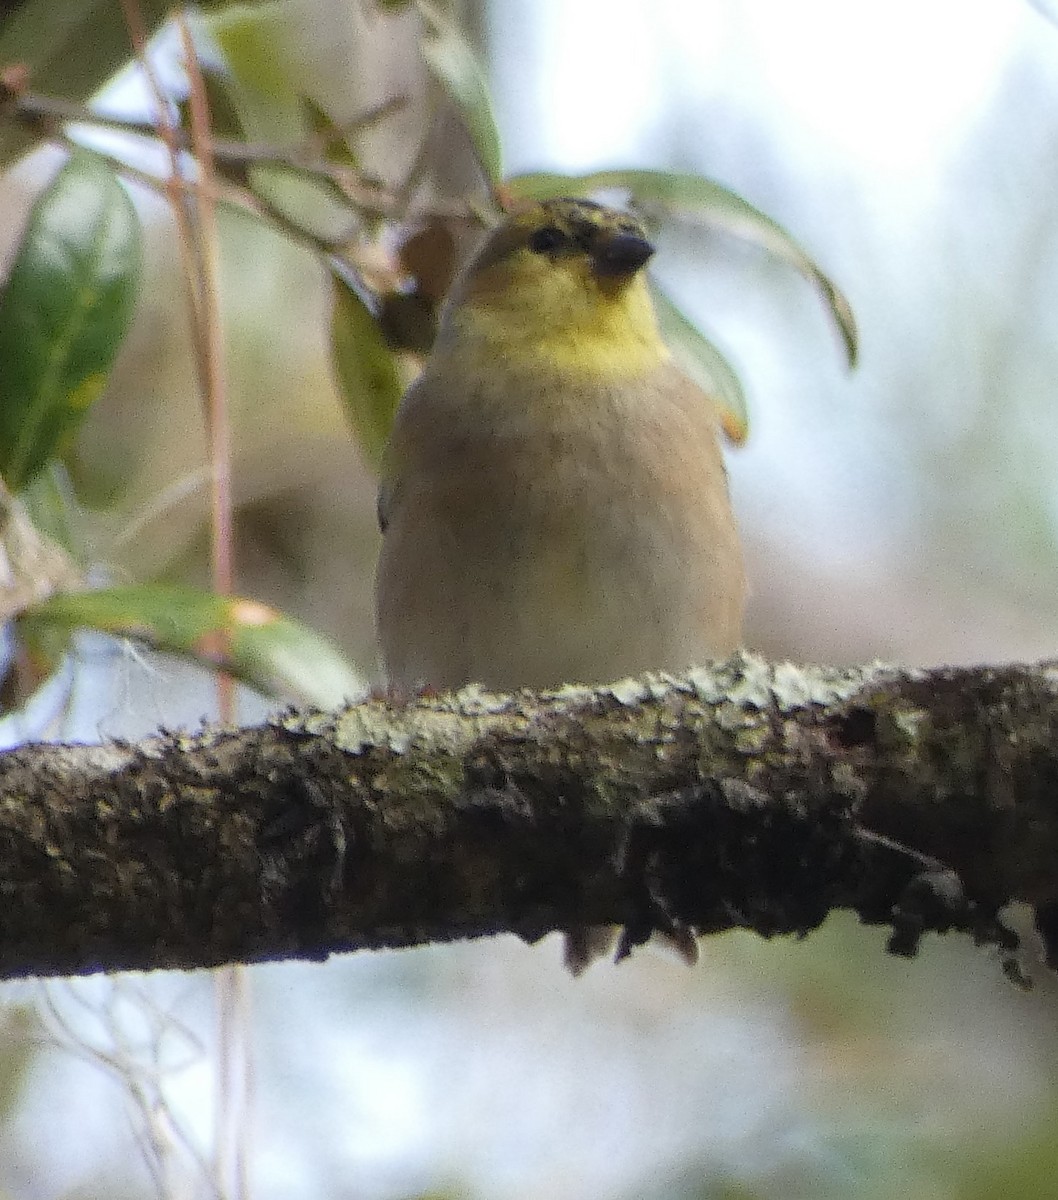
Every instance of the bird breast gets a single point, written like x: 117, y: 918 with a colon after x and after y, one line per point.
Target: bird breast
x: 582, y: 538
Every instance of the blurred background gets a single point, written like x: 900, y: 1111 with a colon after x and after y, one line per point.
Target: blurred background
x: 905, y: 511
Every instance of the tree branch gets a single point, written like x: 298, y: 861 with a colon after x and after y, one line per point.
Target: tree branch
x: 744, y: 795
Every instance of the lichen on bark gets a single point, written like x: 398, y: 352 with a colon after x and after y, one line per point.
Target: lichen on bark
x: 743, y: 794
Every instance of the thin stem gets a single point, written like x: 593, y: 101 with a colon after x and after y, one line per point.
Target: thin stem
x: 215, y: 395
x: 235, y: 1051
x: 167, y: 131
x: 48, y: 114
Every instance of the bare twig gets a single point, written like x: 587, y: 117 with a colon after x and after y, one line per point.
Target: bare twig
x: 232, y: 1108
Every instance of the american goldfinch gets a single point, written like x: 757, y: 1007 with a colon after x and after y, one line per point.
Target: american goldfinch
x: 554, y: 504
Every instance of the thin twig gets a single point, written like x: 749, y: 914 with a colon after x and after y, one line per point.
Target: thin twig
x: 214, y: 397
x: 234, y: 1053
x: 166, y: 129
x: 49, y: 114
x: 160, y: 505
x: 139, y: 1068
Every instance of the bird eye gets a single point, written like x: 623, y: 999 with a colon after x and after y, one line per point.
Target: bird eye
x: 543, y: 241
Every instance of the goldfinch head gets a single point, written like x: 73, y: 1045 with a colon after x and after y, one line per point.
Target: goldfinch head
x: 564, y: 276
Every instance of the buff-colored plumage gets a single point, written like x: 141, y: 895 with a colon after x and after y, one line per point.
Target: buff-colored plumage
x: 555, y: 504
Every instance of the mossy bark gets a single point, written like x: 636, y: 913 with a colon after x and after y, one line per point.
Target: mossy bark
x: 744, y: 795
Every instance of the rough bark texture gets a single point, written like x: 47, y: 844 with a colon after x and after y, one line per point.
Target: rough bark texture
x: 745, y: 795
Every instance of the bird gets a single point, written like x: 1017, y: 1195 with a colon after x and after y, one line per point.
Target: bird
x: 554, y: 502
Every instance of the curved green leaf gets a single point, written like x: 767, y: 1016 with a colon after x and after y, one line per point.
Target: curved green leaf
x: 705, y: 364
x: 251, y: 641
x: 703, y: 199
x: 365, y: 368
x: 453, y: 63
x: 64, y: 311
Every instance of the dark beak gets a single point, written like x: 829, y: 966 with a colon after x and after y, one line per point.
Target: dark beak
x: 617, y: 255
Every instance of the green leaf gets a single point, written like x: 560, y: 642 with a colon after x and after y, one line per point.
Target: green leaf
x: 224, y: 122
x: 368, y: 379
x: 251, y: 641
x: 455, y: 66
x: 70, y: 50
x: 688, y: 195
x: 64, y: 311
x: 705, y: 364
x: 251, y: 40
x: 266, y: 92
